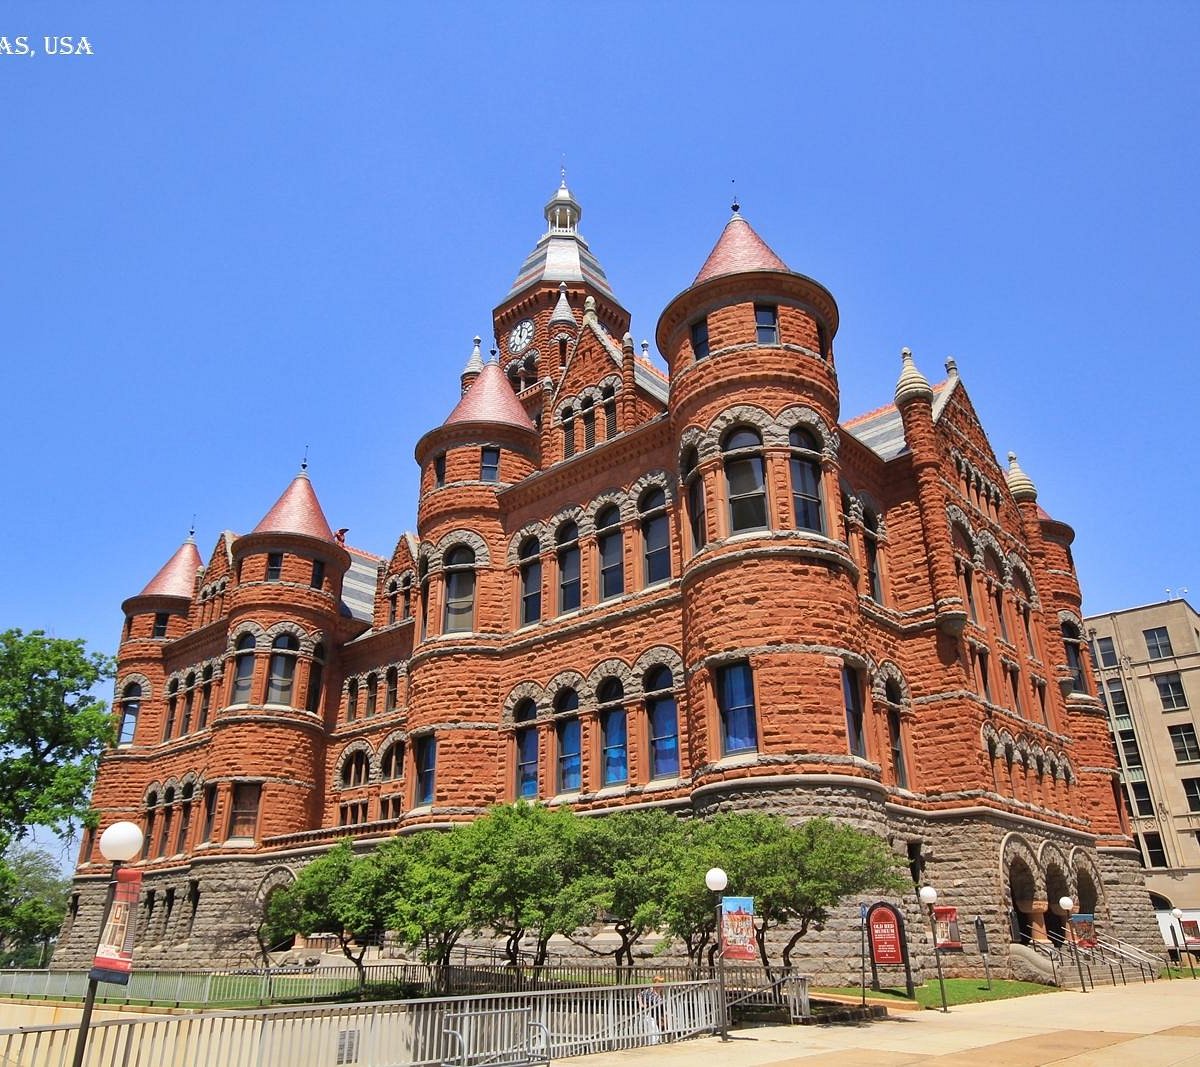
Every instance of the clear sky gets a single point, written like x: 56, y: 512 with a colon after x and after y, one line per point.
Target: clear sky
x: 240, y: 229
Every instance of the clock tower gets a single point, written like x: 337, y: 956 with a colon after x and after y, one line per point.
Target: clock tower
x: 537, y: 321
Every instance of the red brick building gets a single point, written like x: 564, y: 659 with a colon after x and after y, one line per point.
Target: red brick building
x: 698, y: 590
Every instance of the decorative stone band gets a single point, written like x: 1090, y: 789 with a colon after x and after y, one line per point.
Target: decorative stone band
x: 812, y: 547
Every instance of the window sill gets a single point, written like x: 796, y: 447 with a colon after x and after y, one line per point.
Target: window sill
x: 239, y: 842
x: 737, y: 759
x: 420, y: 809
x: 658, y: 785
x: 617, y: 789
x: 566, y: 798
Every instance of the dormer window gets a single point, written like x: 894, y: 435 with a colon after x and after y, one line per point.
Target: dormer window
x: 489, y: 465
x: 766, y: 324
x: 700, y: 339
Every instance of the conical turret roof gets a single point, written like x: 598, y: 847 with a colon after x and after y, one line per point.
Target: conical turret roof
x: 178, y: 574
x: 737, y: 250
x: 490, y: 399
x: 297, y: 511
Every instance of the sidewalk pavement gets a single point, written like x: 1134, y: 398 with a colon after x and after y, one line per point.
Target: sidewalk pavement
x: 1151, y: 1025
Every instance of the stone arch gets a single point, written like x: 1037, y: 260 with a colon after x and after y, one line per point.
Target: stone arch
x: 886, y: 672
x: 866, y: 502
x: 307, y: 641
x: 131, y: 679
x: 955, y: 516
x: 799, y: 415
x: 532, y: 529
x: 276, y: 878
x: 612, y: 668
x: 1066, y: 615
x: 984, y: 541
x: 568, y: 679
x: 741, y: 415
x: 1089, y: 881
x: 247, y: 627
x: 1020, y: 883
x: 572, y: 513
x: 191, y: 778
x: 601, y: 500
x: 520, y: 692
x: 154, y: 789
x: 659, y: 655
x: 361, y: 745
x: 460, y: 537
x: 704, y: 444
x: 656, y: 479
x: 1016, y: 565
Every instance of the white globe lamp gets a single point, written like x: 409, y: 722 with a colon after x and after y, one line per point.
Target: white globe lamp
x: 121, y: 842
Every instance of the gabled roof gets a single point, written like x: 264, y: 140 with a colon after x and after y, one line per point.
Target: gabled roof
x: 882, y: 430
x: 490, y: 399
x: 358, y: 586
x: 178, y: 574
x: 297, y: 511
x: 738, y: 249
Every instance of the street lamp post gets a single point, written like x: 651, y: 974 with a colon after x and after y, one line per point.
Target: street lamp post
x: 1177, y: 915
x: 716, y: 880
x: 119, y: 843
x: 1068, y: 905
x: 929, y: 897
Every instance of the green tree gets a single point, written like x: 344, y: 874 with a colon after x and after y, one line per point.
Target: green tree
x: 33, y: 904
x: 52, y: 731
x: 429, y: 875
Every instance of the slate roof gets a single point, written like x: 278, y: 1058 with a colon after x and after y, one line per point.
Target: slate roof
x: 490, y: 399
x: 738, y: 249
x: 358, y: 587
x: 297, y: 511
x: 882, y: 430
x: 178, y: 575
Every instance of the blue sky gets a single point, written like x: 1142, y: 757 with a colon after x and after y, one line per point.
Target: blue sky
x: 238, y: 230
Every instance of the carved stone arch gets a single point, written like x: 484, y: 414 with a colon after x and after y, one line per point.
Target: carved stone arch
x: 886, y: 672
x: 532, y: 529
x: 1037, y: 759
x: 611, y: 381
x: 1067, y: 771
x: 989, y: 736
x: 572, y: 513
x: 223, y: 584
x: 799, y: 415
x: 1023, y: 750
x: 957, y: 517
x: 1066, y: 615
x: 391, y: 739
x: 655, y: 479
x: 191, y: 778
x: 741, y: 415
x: 592, y: 393
x: 562, y: 404
x: 983, y: 541
x: 659, y: 655
x: 298, y: 632
x: 612, y: 668
x: 217, y: 664
x: 172, y: 784
x: 861, y: 661
x: 1051, y: 855
x: 461, y: 537
x: 275, y: 878
x: 705, y: 444
x: 154, y: 789
x: 1014, y: 846
x: 205, y: 592
x: 308, y: 645
x: 520, y: 692
x: 1084, y: 860
x: 568, y: 679
x: 601, y: 500
x: 175, y: 680
x: 360, y: 745
x: 247, y: 627
x: 1016, y: 565
x: 957, y: 459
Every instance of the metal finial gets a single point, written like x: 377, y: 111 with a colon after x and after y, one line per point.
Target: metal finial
x: 645, y: 350
x: 562, y: 170
x: 1012, y: 457
x: 192, y: 530
x: 492, y: 350
x: 951, y: 367
x: 906, y: 352
x: 304, y: 461
x: 736, y: 206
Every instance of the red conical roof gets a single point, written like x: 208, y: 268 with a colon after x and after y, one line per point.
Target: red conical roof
x: 297, y: 511
x: 738, y: 249
x: 491, y: 399
x: 178, y: 575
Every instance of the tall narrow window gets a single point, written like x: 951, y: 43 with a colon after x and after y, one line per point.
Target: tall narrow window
x: 735, y: 702
x: 1024, y: 598
x: 700, y: 339
x: 852, y: 695
x: 172, y: 705
x: 744, y: 476
x: 189, y: 701
x: 425, y: 758
x: 439, y: 470
x: 985, y: 677
x: 530, y: 567
x: 391, y: 766
x: 210, y: 813
x: 526, y: 740
x: 806, y: 480
x: 243, y: 820
x: 185, y: 819
x: 274, y: 566
x: 871, y: 552
x: 160, y: 624
x: 568, y: 735
x: 168, y: 816
x: 656, y: 545
x: 995, y: 584
x: 315, y: 671
x: 694, y: 487
x: 896, y: 734
x: 1108, y: 653
x: 662, y: 718
x: 151, y: 813
x: 608, y: 400
x: 352, y: 700
x: 589, y: 422
x: 423, y: 568
x: 489, y: 464
x: 205, y: 697
x: 282, y: 673
x: 392, y: 601
x: 356, y: 770
x: 963, y: 554
x: 318, y: 574
x: 460, y: 590
x: 243, y: 670
x: 1116, y: 697
x: 391, y: 690
x: 131, y: 706
x: 372, y: 696
x: 766, y: 324
x: 568, y: 432
x: 611, y: 548
x: 406, y: 597
x: 1073, y: 647
x: 567, y: 541
x: 614, y: 751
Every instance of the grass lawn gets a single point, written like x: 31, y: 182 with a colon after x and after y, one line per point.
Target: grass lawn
x: 958, y: 991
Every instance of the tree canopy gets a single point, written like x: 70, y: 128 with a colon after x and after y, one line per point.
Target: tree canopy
x: 33, y: 904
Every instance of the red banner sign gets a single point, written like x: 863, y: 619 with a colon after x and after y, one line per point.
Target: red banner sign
x: 114, y: 954
x: 883, y: 928
x: 945, y: 921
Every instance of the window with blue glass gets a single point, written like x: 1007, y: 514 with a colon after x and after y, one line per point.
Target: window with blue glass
x: 425, y: 758
x: 852, y: 693
x: 527, y: 750
x: 652, y: 508
x: 611, y: 546
x: 735, y: 700
x: 806, y: 480
x: 566, y: 540
x: 569, y: 767
x: 614, y: 743
x: 663, y: 720
x: 131, y: 706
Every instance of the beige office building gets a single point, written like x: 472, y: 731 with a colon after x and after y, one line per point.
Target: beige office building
x: 1148, y: 661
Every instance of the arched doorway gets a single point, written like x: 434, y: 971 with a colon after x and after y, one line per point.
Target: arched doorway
x: 1022, y: 891
x: 1089, y: 895
x: 1057, y: 887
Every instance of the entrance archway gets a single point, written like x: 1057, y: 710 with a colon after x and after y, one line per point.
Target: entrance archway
x: 1023, y: 891
x: 1057, y: 886
x: 1089, y: 895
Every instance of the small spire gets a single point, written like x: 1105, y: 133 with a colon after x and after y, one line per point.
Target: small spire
x: 562, y: 310
x: 646, y: 351
x: 475, y: 361
x: 492, y: 352
x: 304, y: 461
x: 736, y: 206
x: 912, y: 385
x: 951, y: 368
x: 192, y: 530
x: 627, y: 343
x: 1019, y: 483
x: 589, y: 309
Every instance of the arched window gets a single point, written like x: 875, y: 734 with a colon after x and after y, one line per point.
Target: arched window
x: 356, y: 770
x: 853, y: 699
x: 206, y: 678
x: 460, y: 590
x: 391, y: 766
x: 589, y: 422
x: 168, y: 814
x: 567, y: 542
x: 608, y: 399
x: 185, y: 818
x: 806, y: 480
x: 352, y: 700
x: 282, y: 672
x: 529, y: 555
x: 172, y: 704
x: 744, y: 478
x: 614, y: 750
x: 871, y: 552
x: 423, y: 568
x: 406, y: 597
x: 663, y: 721
x: 963, y: 555
x: 1073, y: 646
x: 568, y: 431
x: 526, y: 740
x: 189, y: 699
x: 315, y: 671
x: 131, y: 705
x: 895, y: 733
x: 995, y: 584
x: 566, y: 706
x: 392, y: 599
x: 391, y: 690
x: 656, y: 547
x: 611, y: 548
x: 1024, y: 597
x: 694, y: 488
x: 151, y: 813
x: 372, y: 696
x: 243, y: 670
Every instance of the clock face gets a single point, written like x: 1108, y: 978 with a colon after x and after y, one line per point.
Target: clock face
x: 520, y: 336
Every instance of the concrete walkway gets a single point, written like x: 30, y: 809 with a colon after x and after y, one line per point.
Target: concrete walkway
x: 1153, y: 1025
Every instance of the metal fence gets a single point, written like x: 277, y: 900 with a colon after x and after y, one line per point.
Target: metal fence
x: 413, y: 1033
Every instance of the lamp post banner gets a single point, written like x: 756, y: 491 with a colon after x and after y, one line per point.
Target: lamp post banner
x: 883, y: 927
x: 114, y: 954
x: 1084, y: 926
x: 1191, y: 932
x: 945, y: 921
x: 737, y: 929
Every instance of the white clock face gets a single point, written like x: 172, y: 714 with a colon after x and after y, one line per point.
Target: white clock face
x: 520, y: 336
